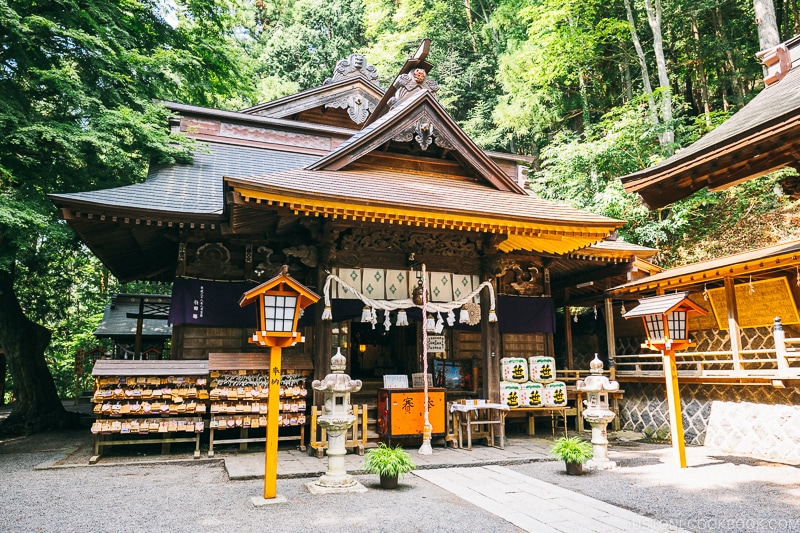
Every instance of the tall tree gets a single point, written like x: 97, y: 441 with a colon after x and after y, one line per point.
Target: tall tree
x: 766, y: 23
x: 78, y: 79
x: 654, y: 14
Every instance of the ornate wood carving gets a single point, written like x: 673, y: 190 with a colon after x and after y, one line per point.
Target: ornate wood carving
x: 407, y: 83
x: 515, y: 276
x: 358, y: 106
x: 424, y: 131
x: 265, y: 264
x: 306, y: 254
x: 381, y: 241
x: 354, y: 66
x: 214, y: 259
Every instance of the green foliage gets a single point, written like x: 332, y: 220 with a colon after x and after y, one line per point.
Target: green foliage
x: 299, y: 42
x: 571, y: 449
x: 79, y: 82
x: 388, y: 461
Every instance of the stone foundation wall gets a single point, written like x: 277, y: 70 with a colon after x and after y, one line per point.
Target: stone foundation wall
x: 759, y: 421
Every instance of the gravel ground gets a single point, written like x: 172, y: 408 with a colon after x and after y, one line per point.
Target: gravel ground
x: 185, y: 497
x: 717, y: 492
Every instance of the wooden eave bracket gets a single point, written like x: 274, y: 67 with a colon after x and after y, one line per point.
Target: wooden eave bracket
x: 778, y: 62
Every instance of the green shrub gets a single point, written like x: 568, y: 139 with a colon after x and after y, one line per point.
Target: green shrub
x: 572, y: 450
x: 388, y: 461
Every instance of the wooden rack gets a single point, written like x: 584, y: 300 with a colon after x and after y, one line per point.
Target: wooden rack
x: 138, y: 398
x: 239, y: 399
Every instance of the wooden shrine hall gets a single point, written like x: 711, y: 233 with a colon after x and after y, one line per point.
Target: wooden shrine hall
x: 367, y: 184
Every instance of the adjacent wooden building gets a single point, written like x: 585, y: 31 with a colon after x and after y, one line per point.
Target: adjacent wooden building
x: 740, y: 381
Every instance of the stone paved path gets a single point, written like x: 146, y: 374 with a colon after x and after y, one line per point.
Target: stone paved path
x: 535, y: 505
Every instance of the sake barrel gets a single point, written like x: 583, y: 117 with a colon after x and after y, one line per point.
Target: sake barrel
x: 514, y: 369
x: 509, y: 393
x: 542, y: 369
x: 555, y: 394
x: 531, y: 394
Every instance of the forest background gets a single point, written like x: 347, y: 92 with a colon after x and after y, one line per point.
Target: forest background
x: 593, y: 90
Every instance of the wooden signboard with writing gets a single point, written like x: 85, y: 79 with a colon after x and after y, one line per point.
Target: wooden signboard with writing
x: 701, y: 322
x: 758, y: 303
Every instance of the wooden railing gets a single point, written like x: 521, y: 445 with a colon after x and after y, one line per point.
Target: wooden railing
x: 751, y: 363
x: 776, y: 364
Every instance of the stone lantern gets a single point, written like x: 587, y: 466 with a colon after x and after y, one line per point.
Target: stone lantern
x: 336, y: 418
x: 596, y: 412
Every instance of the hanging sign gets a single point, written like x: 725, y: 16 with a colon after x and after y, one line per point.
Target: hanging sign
x: 758, y: 303
x: 436, y: 343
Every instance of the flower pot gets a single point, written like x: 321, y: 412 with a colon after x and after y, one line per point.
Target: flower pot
x: 574, y: 469
x: 389, y: 482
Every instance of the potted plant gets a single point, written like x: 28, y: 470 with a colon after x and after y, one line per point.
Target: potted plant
x: 390, y: 463
x: 574, y: 451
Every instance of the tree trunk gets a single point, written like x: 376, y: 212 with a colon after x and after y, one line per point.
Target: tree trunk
x: 626, y: 81
x: 37, y: 406
x: 766, y: 23
x: 648, y: 89
x: 701, y: 73
x: 738, y: 87
x: 654, y: 19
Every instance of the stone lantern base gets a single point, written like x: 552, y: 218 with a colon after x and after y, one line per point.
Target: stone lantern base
x: 314, y: 487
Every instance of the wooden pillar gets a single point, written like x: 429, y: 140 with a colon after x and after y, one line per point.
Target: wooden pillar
x: 273, y: 406
x: 733, y: 324
x: 490, y: 346
x: 674, y: 406
x: 137, y: 343
x: 568, y: 329
x: 323, y: 339
x: 611, y: 337
x: 780, y: 349
x: 549, y: 348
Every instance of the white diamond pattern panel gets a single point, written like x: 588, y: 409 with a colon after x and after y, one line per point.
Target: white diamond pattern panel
x: 373, y: 283
x: 462, y: 285
x: 441, y: 287
x: 382, y: 284
x: 397, y: 284
x: 351, y: 276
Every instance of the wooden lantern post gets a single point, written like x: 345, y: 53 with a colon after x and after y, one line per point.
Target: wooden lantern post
x: 666, y: 322
x: 280, y: 301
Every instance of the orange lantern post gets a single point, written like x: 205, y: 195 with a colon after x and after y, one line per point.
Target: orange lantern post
x: 280, y: 301
x: 666, y: 322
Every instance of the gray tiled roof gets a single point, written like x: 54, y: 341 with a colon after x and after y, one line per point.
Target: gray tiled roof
x: 115, y: 322
x: 773, y: 104
x: 421, y: 191
x: 195, y: 188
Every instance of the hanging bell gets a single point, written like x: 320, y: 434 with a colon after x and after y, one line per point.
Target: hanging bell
x: 416, y: 293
